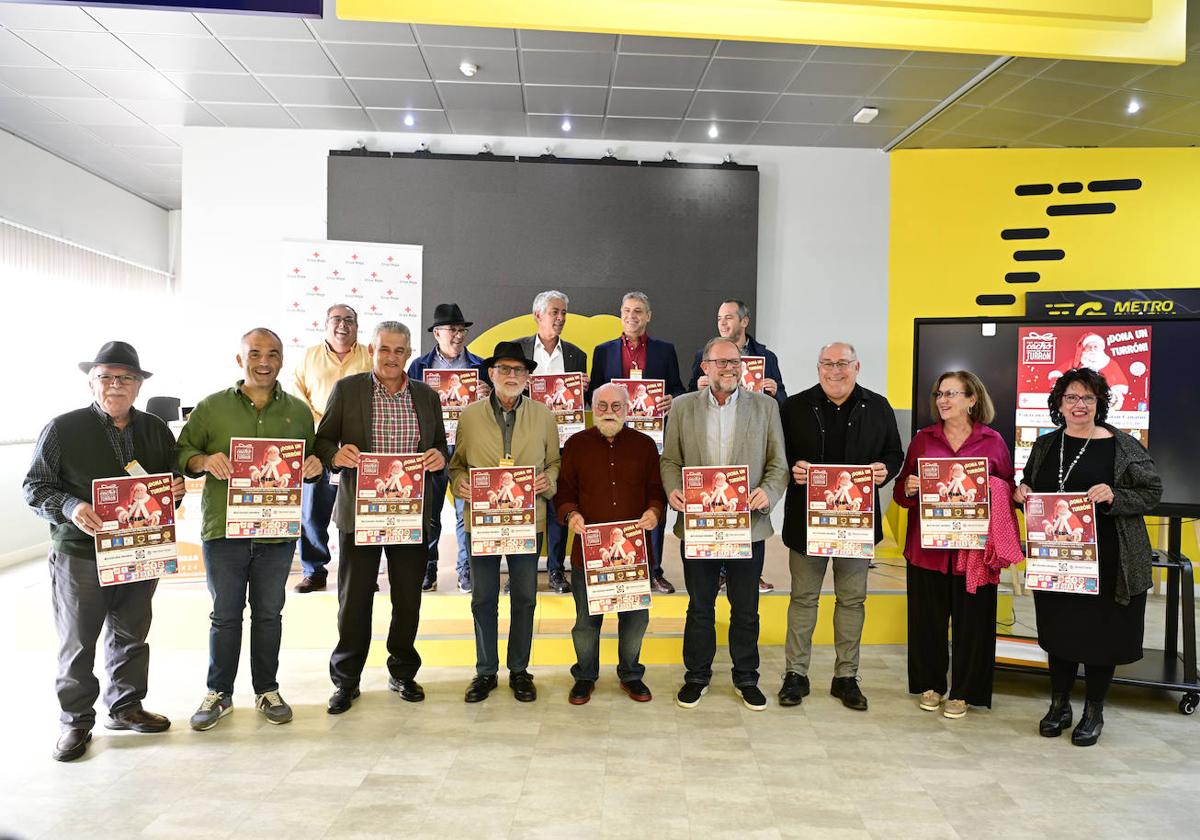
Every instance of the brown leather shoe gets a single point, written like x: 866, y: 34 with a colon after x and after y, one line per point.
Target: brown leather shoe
x: 72, y: 744
x: 315, y: 583
x: 139, y: 720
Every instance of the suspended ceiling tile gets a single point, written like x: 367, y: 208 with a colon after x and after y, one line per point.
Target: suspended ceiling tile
x: 581, y: 127
x: 1183, y: 80
x: 463, y: 96
x: 559, y: 99
x: 86, y: 49
x: 899, y: 113
x: 782, y: 134
x: 953, y: 116
x: 218, y: 87
x: 495, y: 66
x: 169, y: 113
x: 749, y: 75
x: 251, y: 116
x: 697, y: 131
x: 838, y: 79
x: 92, y: 112
x: 812, y: 109
x: 1007, y: 125
x: 16, y: 53
x: 342, y: 119
x: 489, y: 122
x: 257, y: 26
x: 625, y: 128
x: 858, y: 55
x: 754, y: 49
x: 657, y: 71
x: 1105, y: 73
x: 379, y: 61
x: 1186, y: 120
x: 1028, y: 66
x: 39, y: 82
x: 1077, y: 133
x: 38, y: 16
x: 1045, y: 96
x: 390, y: 93
x: 132, y: 84
x: 665, y: 46
x: 533, y: 39
x: 306, y: 90
x: 566, y: 68
x: 134, y: 135
x: 922, y: 82
x: 124, y: 21
x: 184, y: 53
x: 711, y: 105
x: 330, y: 28
x: 465, y: 36
x: 859, y: 136
x: 635, y: 102
x: 993, y: 87
x: 19, y: 110
x: 1145, y: 138
x: 424, y: 122
x: 287, y: 58
x: 964, y: 61
x: 1114, y: 108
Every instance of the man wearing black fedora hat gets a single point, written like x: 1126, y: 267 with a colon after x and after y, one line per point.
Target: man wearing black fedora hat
x: 450, y: 330
x: 108, y: 438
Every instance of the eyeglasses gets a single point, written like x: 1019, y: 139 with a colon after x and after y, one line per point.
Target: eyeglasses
x: 338, y: 319
x: 724, y: 364
x: 509, y: 370
x: 1075, y: 399
x: 455, y: 330
x: 107, y: 379
x: 841, y: 364
x: 937, y: 395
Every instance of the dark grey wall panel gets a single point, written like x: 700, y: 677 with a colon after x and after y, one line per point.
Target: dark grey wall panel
x: 495, y: 233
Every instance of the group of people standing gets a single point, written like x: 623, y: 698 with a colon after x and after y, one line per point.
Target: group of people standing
x: 352, y: 400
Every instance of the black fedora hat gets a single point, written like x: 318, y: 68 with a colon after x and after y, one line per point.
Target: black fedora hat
x: 447, y: 314
x: 509, y: 350
x: 117, y: 353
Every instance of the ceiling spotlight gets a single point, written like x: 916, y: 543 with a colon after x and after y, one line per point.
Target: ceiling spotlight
x: 865, y: 115
x: 468, y: 69
x: 669, y: 156
x: 566, y: 124
x: 609, y: 153
x: 729, y: 158
x: 1133, y: 107
x: 422, y: 147
x: 408, y: 120
x: 712, y: 131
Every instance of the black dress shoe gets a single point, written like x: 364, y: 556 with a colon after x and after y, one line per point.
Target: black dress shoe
x: 1057, y: 718
x: 138, y: 719
x: 72, y: 744
x: 846, y: 689
x: 311, y: 583
x: 341, y: 700
x: 662, y: 585
x: 409, y: 689
x: 794, y: 689
x: 581, y: 692
x: 637, y: 690
x: 558, y: 583
x: 522, y: 686
x: 1091, y: 722
x: 429, y: 584
x: 480, y: 688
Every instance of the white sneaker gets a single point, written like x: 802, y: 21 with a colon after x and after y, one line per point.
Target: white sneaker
x: 931, y: 701
x: 273, y: 708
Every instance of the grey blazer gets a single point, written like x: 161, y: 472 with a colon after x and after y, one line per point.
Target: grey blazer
x: 758, y: 444
x: 347, y: 419
x: 574, y: 359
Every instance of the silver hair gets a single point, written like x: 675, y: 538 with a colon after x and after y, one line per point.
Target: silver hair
x: 718, y: 339
x: 641, y: 296
x: 743, y: 309
x: 390, y: 327
x: 543, y: 300
x: 846, y: 344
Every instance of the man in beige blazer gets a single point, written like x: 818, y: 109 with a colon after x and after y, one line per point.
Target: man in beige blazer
x: 724, y: 425
x: 507, y: 429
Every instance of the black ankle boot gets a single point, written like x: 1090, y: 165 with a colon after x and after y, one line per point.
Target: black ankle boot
x: 1087, y: 731
x: 1057, y: 718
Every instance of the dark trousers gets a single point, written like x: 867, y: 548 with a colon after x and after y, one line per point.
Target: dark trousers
x: 937, y: 601
x: 631, y: 628
x: 656, y: 547
x: 235, y: 568
x: 81, y: 610
x: 435, y: 497
x: 485, y: 609
x: 1097, y: 678
x: 316, y: 507
x: 556, y: 540
x: 703, y: 580
x: 358, y: 570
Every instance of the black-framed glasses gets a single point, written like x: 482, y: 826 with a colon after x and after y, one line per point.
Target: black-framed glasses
x: 107, y: 379
x: 1076, y: 399
x: 724, y: 364
x: 510, y: 370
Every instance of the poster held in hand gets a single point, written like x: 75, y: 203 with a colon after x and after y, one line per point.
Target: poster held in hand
x: 841, y: 511
x: 955, y: 506
x: 503, y: 512
x: 645, y: 407
x: 562, y: 393
x: 389, y: 499
x: 456, y: 389
x: 616, y: 566
x: 1061, y: 554
x: 137, y: 538
x: 754, y: 372
x: 264, y: 488
x: 716, y: 524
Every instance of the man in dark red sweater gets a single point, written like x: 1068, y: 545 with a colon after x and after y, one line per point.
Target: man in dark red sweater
x: 609, y: 474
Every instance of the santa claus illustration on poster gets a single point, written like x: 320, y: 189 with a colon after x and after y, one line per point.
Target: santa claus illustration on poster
x: 389, y: 499
x: 562, y: 393
x: 716, y: 512
x: 456, y: 389
x: 1061, y: 551
x: 841, y: 519
x: 264, y: 488
x: 503, y: 519
x: 955, y: 507
x: 616, y: 566
x: 645, y: 401
x: 137, y: 538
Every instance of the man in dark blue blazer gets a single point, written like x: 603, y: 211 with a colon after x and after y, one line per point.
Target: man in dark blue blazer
x: 733, y: 322
x: 656, y: 359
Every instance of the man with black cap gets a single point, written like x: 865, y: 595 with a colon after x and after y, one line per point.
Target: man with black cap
x: 450, y: 330
x: 505, y: 430
x: 108, y: 438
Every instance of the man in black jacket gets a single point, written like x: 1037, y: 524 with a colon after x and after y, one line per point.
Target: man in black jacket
x: 836, y: 421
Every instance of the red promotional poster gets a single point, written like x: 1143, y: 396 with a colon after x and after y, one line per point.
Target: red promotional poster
x: 503, y: 512
x: 754, y: 371
x: 617, y: 567
x: 841, y: 511
x: 955, y: 506
x: 1061, y: 551
x: 137, y: 540
x: 388, y: 499
x: 562, y: 393
x: 456, y: 389
x: 264, y: 488
x: 716, y: 512
x: 1121, y: 353
x: 645, y: 406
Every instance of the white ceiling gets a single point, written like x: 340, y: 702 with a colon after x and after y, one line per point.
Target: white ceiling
x: 110, y: 89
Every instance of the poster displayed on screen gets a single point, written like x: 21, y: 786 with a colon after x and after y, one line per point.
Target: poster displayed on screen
x: 137, y: 538
x: 562, y: 393
x: 754, y: 372
x: 841, y: 511
x: 503, y: 516
x: 265, y: 483
x: 388, y: 499
x: 645, y: 407
x: 456, y: 389
x: 716, y: 522
x: 955, y: 508
x: 1061, y: 554
x: 1120, y: 353
x: 617, y: 567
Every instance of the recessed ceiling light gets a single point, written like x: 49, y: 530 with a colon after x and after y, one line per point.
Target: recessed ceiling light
x: 712, y: 131
x: 1133, y: 107
x: 468, y: 69
x: 566, y: 125
x: 865, y: 115
x: 408, y: 120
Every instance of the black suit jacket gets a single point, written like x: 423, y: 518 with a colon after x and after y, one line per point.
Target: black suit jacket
x: 661, y: 363
x: 347, y: 419
x: 574, y: 359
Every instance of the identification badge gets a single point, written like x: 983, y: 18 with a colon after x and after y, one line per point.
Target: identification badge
x: 506, y: 462
x: 635, y: 372
x: 134, y: 468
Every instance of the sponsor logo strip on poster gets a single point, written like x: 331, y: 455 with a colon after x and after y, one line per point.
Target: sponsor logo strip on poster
x: 562, y: 393
x: 1120, y: 353
x: 503, y: 516
x: 264, y: 488
x: 388, y: 499
x: 716, y: 522
x: 841, y: 511
x: 754, y: 371
x: 137, y: 540
x: 1061, y: 554
x: 645, y: 406
x: 955, y: 507
x: 617, y: 567
x: 456, y: 389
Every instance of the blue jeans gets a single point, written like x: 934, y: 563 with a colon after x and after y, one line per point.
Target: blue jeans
x: 435, y: 498
x: 233, y: 567
x: 556, y: 540
x: 485, y: 609
x: 631, y: 627
x: 316, y: 507
x: 703, y: 579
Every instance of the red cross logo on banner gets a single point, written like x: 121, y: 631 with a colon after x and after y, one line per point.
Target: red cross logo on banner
x: 390, y: 258
x: 316, y: 288
x: 295, y: 271
x: 354, y: 291
x: 354, y: 256
x: 316, y: 254
x: 407, y: 276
